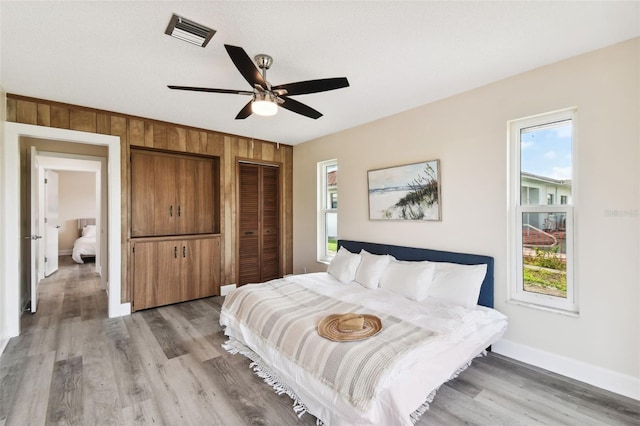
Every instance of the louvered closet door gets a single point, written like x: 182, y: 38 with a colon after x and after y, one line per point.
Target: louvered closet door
x: 270, y: 258
x: 249, y: 224
x: 259, y: 219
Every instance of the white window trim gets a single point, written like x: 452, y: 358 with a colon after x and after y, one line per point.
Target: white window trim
x: 517, y: 294
x: 321, y: 239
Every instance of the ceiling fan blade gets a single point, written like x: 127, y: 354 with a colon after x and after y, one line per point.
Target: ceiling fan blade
x: 245, y: 65
x: 245, y: 112
x: 207, y: 89
x: 313, y: 86
x: 300, y: 108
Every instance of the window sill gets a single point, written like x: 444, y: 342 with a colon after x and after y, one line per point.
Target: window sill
x: 559, y: 311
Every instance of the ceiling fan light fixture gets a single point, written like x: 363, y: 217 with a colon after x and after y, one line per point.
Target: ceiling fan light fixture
x: 189, y: 31
x: 263, y: 104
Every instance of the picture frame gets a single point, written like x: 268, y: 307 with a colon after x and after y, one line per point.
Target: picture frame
x: 407, y: 192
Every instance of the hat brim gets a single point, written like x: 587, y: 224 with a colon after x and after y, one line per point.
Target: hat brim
x: 328, y: 328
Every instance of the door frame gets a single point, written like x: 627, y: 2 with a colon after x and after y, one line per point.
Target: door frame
x: 58, y: 161
x: 10, y: 258
x: 51, y: 176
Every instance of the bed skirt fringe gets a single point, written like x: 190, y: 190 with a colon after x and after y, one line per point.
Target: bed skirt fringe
x: 265, y: 373
x: 234, y: 347
x: 415, y: 416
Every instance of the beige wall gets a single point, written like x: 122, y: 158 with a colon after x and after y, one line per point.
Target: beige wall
x: 76, y: 199
x: 467, y: 132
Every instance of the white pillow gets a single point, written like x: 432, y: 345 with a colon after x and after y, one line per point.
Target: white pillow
x: 411, y: 279
x: 457, y: 284
x: 89, y: 231
x: 371, y: 268
x: 344, y: 265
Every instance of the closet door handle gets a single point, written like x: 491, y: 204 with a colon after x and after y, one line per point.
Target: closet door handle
x: 184, y: 251
x: 248, y: 233
x: 178, y: 211
x: 175, y: 252
x: 171, y: 211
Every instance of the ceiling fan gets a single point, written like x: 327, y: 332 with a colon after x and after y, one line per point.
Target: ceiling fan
x: 266, y: 98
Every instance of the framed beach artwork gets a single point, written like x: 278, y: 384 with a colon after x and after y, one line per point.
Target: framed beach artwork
x: 409, y: 192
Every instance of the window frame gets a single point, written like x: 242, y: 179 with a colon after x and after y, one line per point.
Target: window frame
x: 517, y: 294
x: 323, y: 255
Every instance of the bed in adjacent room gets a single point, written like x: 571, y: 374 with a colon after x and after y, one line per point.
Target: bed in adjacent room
x: 85, y: 245
x: 371, y: 340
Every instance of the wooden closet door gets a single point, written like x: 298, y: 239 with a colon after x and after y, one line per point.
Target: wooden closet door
x: 270, y: 203
x: 169, y: 265
x: 200, y: 268
x: 153, y: 187
x: 156, y: 274
x: 259, y: 219
x: 249, y: 224
x: 190, y: 260
x: 164, y: 170
x: 142, y: 199
x: 195, y: 193
x: 204, y: 194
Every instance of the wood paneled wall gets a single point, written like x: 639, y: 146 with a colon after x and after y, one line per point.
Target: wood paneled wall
x: 142, y: 132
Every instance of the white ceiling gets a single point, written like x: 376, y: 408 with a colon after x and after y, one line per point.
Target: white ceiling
x: 396, y: 55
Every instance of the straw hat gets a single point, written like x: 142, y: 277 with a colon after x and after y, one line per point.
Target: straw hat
x: 349, y: 327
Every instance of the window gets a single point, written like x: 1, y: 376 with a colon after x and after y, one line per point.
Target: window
x: 328, y: 210
x: 541, y: 230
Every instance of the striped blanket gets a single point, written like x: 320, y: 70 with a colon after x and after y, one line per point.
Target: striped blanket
x: 285, y: 315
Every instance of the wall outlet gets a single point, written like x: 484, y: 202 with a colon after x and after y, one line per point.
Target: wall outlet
x: 225, y: 289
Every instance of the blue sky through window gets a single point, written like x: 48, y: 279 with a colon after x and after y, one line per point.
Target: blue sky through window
x: 546, y: 150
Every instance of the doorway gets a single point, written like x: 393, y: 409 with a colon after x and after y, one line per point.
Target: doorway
x: 11, y: 259
x: 80, y: 198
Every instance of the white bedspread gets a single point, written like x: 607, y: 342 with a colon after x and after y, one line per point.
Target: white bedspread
x: 462, y: 334
x: 83, y: 246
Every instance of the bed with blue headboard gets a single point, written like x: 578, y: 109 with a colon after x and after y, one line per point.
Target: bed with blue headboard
x: 418, y: 254
x: 423, y: 342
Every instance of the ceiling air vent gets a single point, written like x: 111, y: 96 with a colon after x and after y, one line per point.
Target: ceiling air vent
x: 189, y: 31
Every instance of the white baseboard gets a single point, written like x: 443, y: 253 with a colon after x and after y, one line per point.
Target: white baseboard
x: 3, y: 344
x: 225, y: 289
x: 119, y: 310
x: 613, y: 381
x: 65, y: 252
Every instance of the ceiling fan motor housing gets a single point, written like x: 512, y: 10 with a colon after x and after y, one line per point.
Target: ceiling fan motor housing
x: 264, y: 61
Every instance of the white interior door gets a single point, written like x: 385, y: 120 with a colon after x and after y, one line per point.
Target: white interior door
x: 51, y: 222
x: 35, y: 235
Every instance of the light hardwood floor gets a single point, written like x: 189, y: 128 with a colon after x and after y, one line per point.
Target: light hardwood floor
x: 165, y: 366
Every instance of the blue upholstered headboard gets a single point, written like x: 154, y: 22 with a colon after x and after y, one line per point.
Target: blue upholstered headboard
x: 411, y: 253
